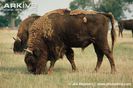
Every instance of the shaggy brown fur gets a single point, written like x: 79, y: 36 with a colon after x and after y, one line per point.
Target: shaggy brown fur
x: 40, y: 31
x: 53, y: 35
x: 44, y: 23
x: 22, y: 35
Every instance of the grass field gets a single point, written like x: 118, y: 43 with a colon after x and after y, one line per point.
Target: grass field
x: 14, y: 74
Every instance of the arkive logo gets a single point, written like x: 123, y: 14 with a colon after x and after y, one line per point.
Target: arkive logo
x: 15, y: 6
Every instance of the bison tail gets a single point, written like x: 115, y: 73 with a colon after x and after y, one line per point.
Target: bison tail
x: 113, y: 33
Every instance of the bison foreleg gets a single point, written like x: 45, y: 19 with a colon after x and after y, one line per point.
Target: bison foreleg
x: 70, y: 56
x: 100, y: 55
x: 51, y: 66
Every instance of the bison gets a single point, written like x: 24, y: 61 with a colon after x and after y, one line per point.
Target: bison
x: 125, y: 24
x: 53, y: 35
x: 20, y: 42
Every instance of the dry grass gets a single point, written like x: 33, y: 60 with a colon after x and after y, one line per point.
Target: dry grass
x: 13, y: 72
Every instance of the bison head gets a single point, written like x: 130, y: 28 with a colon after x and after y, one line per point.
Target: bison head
x: 36, y: 61
x: 18, y: 47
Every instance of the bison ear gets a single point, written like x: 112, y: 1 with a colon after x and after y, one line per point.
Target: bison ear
x: 18, y: 39
x: 37, y: 52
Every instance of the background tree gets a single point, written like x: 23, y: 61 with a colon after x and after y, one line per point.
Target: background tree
x: 34, y: 14
x: 81, y: 4
x: 17, y: 21
x: 13, y: 14
x: 3, y: 21
x: 117, y: 7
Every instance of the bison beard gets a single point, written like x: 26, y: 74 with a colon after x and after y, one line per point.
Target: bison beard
x: 54, y: 35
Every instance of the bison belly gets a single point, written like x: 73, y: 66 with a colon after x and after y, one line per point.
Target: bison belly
x: 78, y: 41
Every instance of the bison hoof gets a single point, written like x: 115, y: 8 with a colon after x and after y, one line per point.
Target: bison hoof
x: 74, y: 70
x: 95, y: 70
x: 49, y: 72
x: 113, y: 71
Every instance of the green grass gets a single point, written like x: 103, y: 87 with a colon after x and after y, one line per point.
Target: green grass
x: 14, y: 74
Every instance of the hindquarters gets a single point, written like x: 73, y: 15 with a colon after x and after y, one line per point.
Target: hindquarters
x: 101, y: 45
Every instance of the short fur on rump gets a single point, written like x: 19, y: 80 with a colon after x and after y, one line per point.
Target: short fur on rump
x: 59, y: 11
x: 77, y: 12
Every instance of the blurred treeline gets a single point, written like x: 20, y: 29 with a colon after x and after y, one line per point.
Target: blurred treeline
x: 116, y: 7
x: 10, y: 16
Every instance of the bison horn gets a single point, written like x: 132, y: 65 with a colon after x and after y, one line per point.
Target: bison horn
x: 27, y: 50
x: 14, y: 38
x: 85, y: 20
x: 18, y: 38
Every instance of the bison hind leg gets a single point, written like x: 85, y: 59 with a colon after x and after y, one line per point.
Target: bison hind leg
x: 102, y: 48
x: 100, y: 55
x: 109, y: 54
